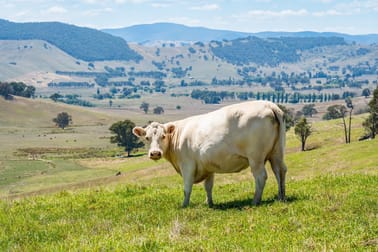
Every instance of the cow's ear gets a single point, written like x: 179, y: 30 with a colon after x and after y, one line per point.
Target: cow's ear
x: 139, y: 131
x: 170, y: 128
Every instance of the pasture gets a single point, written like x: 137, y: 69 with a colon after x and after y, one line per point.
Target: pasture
x: 59, y: 192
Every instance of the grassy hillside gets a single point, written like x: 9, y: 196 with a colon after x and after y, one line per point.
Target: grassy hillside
x: 70, y: 199
x: 35, y: 154
x: 29, y: 60
x: 328, y: 212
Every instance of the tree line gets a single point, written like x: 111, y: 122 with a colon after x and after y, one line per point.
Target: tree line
x: 216, y: 97
x: 7, y: 90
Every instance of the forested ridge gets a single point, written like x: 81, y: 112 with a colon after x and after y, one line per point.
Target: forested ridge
x: 271, y: 51
x: 79, y: 42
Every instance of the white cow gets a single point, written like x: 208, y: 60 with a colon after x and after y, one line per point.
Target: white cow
x: 223, y: 141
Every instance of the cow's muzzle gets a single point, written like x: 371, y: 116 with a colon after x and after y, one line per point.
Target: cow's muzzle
x: 155, y: 155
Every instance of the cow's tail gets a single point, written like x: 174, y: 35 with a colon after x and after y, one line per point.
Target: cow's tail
x: 281, y: 138
x: 277, y: 159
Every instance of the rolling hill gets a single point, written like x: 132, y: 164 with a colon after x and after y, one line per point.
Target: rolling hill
x: 27, y: 60
x: 79, y: 42
x: 250, y: 64
x: 71, y: 202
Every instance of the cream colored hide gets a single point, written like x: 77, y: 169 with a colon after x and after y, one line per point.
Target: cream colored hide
x: 223, y: 141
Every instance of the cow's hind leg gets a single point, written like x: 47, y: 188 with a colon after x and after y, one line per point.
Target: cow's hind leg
x: 209, y: 182
x: 260, y: 175
x: 279, y: 169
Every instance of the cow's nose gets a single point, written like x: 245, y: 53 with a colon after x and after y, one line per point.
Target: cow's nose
x: 155, y: 155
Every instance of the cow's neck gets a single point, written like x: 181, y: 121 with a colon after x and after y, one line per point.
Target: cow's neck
x: 171, y: 153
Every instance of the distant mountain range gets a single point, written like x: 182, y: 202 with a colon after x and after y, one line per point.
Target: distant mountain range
x: 147, y: 33
x: 112, y: 44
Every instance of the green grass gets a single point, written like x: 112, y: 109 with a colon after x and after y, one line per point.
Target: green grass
x: 325, y: 213
x: 69, y: 199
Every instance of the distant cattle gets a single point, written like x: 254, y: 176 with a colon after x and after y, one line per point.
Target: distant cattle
x: 223, y: 141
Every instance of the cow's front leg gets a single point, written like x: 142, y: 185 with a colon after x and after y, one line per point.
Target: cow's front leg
x: 188, y: 176
x: 209, y: 182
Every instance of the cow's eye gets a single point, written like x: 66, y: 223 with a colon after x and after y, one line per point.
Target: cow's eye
x: 163, y: 137
x: 147, y: 138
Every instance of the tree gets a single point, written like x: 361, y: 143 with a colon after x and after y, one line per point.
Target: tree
x: 62, y: 120
x: 339, y: 111
x: 124, y: 136
x: 335, y: 112
x: 144, y: 106
x: 349, y: 104
x: 29, y: 92
x: 288, y: 116
x: 55, y: 97
x: 158, y: 110
x: 6, y: 91
x: 309, y: 110
x: 303, y: 130
x: 371, y: 126
x: 366, y: 92
x: 371, y: 123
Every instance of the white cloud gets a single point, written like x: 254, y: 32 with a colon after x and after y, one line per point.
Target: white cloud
x: 91, y: 1
x: 96, y: 12
x: 282, y: 13
x: 160, y: 5
x: 131, y: 1
x: 328, y: 13
x: 325, y: 1
x: 56, y: 10
x: 206, y: 7
x: 22, y: 13
x: 358, y: 6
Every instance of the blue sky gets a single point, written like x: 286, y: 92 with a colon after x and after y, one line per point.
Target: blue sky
x: 347, y: 16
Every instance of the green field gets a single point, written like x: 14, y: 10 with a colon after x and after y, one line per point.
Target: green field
x: 59, y: 192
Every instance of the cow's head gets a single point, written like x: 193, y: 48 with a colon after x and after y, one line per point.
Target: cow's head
x: 157, y: 135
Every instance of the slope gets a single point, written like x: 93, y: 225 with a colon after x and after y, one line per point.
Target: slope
x: 334, y: 209
x: 28, y: 60
x: 35, y: 154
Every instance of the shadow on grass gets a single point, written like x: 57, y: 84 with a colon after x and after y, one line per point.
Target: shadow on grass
x: 133, y: 155
x: 247, y: 203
